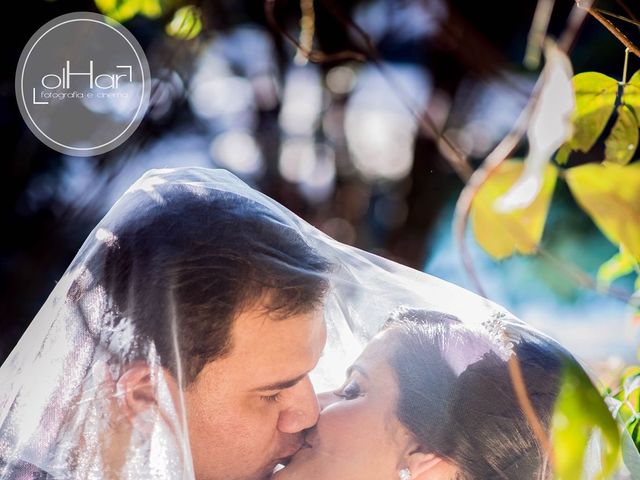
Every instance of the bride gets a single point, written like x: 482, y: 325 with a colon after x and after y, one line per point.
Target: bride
x: 117, y: 377
x: 431, y: 399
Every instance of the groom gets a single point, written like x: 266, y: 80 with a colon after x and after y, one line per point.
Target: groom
x: 247, y: 294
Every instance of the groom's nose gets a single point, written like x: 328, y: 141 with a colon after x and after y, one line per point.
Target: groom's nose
x: 302, y: 410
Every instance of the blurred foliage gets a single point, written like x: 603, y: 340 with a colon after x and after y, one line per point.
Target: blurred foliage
x: 595, y: 100
x: 185, y: 24
x: 595, y: 96
x: 503, y: 234
x: 609, y: 193
x: 619, y: 265
x: 623, y: 140
x: 579, y: 414
x: 123, y: 10
x: 624, y: 403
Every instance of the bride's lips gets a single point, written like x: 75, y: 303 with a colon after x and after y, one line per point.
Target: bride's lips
x: 287, y: 460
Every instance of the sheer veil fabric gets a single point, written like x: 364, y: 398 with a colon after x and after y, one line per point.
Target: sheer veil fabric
x: 59, y: 413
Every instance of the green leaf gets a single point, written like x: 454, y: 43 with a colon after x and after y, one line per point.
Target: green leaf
x: 610, y: 194
x: 562, y: 155
x: 186, y: 23
x: 631, y: 387
x: 579, y: 412
x: 625, y: 412
x: 595, y: 99
x: 119, y: 10
x: 623, y: 139
x: 634, y: 429
x: 629, y: 372
x: 630, y: 455
x: 626, y: 409
x: 619, y: 265
x: 503, y: 234
x: 107, y: 5
x: 631, y: 93
x: 151, y: 8
x: 123, y: 10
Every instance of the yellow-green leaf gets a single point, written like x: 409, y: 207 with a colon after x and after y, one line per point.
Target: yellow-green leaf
x: 106, y: 5
x: 186, y: 23
x: 631, y: 92
x: 562, y: 155
x: 123, y: 10
x: 630, y: 371
x: 619, y: 265
x: 595, y: 99
x: 631, y: 386
x: 519, y: 231
x: 623, y: 139
x: 151, y: 8
x: 610, y: 194
x: 630, y: 454
x: 579, y: 411
x: 119, y: 10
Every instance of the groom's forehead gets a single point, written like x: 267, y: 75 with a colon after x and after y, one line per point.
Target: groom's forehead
x: 298, y: 338
x: 267, y: 353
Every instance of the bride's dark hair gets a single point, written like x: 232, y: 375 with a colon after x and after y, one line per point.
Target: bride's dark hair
x: 465, y: 409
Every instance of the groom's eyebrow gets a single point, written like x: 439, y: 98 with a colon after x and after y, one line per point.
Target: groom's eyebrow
x: 280, y: 385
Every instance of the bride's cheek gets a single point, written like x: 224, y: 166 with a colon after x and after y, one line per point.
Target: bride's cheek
x: 338, y: 423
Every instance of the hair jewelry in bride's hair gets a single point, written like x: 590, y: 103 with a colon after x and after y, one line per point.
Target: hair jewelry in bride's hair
x: 497, y: 332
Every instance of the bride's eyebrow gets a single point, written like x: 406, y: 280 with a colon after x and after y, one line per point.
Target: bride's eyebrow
x: 357, y: 368
x: 283, y: 385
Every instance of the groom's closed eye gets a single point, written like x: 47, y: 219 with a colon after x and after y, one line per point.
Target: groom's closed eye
x: 281, y: 385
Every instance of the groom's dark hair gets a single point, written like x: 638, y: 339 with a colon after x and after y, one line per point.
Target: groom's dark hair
x: 184, y: 265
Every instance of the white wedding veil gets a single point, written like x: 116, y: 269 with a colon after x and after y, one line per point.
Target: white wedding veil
x: 57, y: 395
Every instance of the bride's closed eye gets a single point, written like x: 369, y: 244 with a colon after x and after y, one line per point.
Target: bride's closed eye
x: 350, y: 391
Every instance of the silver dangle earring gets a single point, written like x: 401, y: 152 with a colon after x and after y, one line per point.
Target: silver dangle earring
x: 405, y: 474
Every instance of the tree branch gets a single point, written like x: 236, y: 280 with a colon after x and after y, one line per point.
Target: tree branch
x: 611, y: 27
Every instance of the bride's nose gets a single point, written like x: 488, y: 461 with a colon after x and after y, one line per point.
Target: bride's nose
x: 325, y: 399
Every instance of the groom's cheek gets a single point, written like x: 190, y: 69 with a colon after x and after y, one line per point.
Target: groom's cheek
x: 243, y: 436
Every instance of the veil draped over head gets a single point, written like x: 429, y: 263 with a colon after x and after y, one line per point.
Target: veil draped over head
x: 137, y: 286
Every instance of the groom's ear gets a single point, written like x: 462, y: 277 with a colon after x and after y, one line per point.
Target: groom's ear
x: 136, y: 390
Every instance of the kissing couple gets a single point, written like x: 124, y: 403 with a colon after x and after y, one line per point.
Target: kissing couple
x: 189, y: 335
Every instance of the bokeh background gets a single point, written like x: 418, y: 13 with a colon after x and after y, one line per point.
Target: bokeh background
x: 338, y: 142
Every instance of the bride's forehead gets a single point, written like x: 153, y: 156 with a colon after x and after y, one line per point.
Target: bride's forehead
x: 381, y: 346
